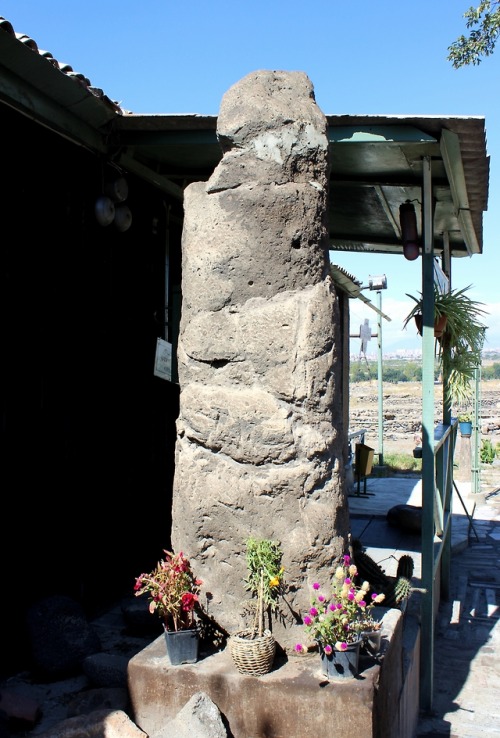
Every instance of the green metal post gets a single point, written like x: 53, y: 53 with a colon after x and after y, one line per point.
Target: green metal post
x: 476, y: 480
x: 380, y: 385
x: 428, y: 457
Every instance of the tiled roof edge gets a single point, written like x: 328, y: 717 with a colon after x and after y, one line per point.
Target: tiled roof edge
x: 65, y: 69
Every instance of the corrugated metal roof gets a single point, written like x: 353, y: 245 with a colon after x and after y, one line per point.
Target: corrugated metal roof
x: 346, y: 281
x: 402, y: 141
x: 352, y: 287
x: 376, y: 160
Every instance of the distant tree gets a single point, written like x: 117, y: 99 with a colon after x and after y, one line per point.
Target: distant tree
x: 413, y: 371
x: 483, y: 23
x: 360, y: 373
x: 491, y: 372
x: 393, y: 374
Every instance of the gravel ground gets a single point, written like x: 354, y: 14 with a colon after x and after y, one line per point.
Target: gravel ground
x: 402, y: 411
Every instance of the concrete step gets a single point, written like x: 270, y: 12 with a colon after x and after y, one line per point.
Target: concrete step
x: 293, y: 699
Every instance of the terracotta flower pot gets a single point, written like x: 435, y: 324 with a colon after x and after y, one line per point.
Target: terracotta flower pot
x: 439, y: 325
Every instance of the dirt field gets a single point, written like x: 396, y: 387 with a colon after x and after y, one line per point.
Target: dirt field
x: 402, y: 412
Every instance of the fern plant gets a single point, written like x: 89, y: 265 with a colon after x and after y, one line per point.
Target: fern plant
x: 459, y: 348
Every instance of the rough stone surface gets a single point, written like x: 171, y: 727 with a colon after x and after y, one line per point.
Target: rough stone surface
x: 259, y: 446
x: 407, y: 517
x: 103, y: 698
x: 97, y: 724
x: 137, y: 617
x: 60, y: 636
x: 199, y: 718
x: 106, y: 670
x: 17, y: 708
x: 402, y: 418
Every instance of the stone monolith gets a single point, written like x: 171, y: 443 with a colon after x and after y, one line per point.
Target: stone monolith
x: 259, y: 437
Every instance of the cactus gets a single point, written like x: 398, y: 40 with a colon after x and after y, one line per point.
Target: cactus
x: 396, y: 589
x: 397, y: 592
x: 368, y: 569
x: 405, y: 567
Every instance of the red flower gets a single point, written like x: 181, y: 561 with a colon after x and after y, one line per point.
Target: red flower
x: 172, y: 591
x: 188, y: 601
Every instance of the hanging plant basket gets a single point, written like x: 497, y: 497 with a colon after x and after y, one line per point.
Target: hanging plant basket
x: 253, y: 653
x: 459, y: 343
x: 439, y: 325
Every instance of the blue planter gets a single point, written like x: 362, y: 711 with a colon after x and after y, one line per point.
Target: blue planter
x: 465, y: 428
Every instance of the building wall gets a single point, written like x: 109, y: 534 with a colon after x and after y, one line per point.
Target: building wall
x: 88, y: 431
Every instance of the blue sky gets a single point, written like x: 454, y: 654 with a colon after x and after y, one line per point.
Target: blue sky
x: 362, y: 57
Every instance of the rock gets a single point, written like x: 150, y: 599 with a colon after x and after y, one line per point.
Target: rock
x: 138, y: 619
x: 199, y: 718
x: 106, y: 670
x: 98, y: 724
x: 19, y: 710
x: 408, y: 517
x: 90, y: 700
x: 60, y: 637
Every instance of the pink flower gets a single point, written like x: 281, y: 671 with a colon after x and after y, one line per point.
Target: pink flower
x: 316, y: 585
x: 307, y: 620
x: 328, y: 649
x: 341, y: 646
x: 321, y: 598
x: 347, y: 560
x: 299, y: 647
x: 313, y: 612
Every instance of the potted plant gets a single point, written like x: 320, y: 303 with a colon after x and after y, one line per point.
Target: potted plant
x: 253, y: 649
x: 465, y: 424
x: 336, y: 621
x: 369, y: 627
x: 459, y: 330
x: 173, y: 592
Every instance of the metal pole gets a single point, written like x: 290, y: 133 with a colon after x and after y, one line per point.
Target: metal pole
x: 380, y: 384
x: 428, y: 457
x: 476, y: 467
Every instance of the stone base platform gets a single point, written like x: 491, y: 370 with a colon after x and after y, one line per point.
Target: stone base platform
x: 293, y: 700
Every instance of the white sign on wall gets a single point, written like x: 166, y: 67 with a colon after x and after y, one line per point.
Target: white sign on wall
x: 163, y: 360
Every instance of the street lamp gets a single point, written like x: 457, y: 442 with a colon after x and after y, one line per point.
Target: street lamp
x: 377, y: 283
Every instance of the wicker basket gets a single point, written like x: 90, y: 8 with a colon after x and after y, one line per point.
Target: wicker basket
x: 252, y: 654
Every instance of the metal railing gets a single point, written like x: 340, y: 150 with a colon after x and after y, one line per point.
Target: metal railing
x: 437, y: 494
